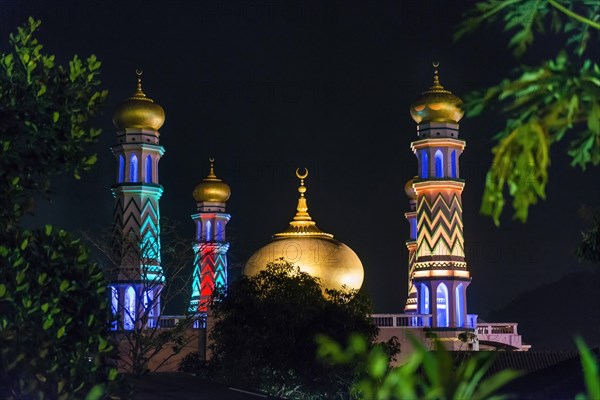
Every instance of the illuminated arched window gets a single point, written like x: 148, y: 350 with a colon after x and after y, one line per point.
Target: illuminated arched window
x: 439, y: 164
x: 413, y: 228
x: 208, y: 237
x: 424, y: 164
x: 129, y: 308
x: 453, y: 164
x: 148, y: 169
x: 114, y: 307
x: 220, y: 233
x: 460, y: 305
x: 442, y: 305
x: 121, y: 168
x: 424, y: 299
x: 133, y: 169
x: 199, y: 230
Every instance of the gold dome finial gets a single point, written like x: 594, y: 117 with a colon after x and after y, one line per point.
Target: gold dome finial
x: 139, y: 92
x: 212, y: 189
x: 211, y: 174
x: 302, y: 224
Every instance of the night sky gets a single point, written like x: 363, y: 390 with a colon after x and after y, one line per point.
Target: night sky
x: 266, y: 87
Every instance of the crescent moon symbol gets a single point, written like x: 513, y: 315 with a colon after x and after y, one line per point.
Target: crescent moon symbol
x: 211, y: 159
x: 436, y: 64
x: 139, y: 72
x: 301, y: 176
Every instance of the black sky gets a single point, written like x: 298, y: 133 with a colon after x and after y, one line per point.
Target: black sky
x: 265, y: 87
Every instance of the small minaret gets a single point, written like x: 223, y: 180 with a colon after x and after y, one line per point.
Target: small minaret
x: 411, y: 245
x: 137, y: 280
x: 440, y: 273
x: 210, y: 248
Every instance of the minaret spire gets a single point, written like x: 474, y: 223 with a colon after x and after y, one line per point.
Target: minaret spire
x: 211, y: 246
x: 437, y: 266
x: 136, y: 284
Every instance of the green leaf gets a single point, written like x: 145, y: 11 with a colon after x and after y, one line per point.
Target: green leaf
x: 48, y: 322
x: 61, y: 332
x: 96, y: 393
x: 24, y: 244
x: 591, y: 371
x: 2, y: 290
x: 64, y: 285
x: 55, y: 116
x: 48, y: 229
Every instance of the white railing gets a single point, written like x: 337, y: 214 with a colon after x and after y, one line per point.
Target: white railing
x: 169, y: 321
x: 401, y: 320
x: 485, y: 328
x: 413, y: 320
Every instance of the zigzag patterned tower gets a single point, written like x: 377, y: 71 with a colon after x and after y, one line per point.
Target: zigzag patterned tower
x: 137, y: 279
x: 439, y: 273
x: 210, y: 249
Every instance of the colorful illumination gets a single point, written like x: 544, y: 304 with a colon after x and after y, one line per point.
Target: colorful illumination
x: 130, y: 305
x: 148, y: 178
x: 210, y: 250
x: 133, y: 168
x: 121, y: 169
x: 437, y: 257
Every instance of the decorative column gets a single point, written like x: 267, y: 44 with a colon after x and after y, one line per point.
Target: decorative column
x: 210, y: 248
x: 137, y: 280
x: 440, y: 272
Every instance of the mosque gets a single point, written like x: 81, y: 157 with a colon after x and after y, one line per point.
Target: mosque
x: 438, y: 276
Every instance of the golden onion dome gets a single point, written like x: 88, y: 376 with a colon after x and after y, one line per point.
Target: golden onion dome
x: 437, y: 104
x: 212, y: 189
x: 410, y: 190
x: 139, y: 111
x: 312, y: 250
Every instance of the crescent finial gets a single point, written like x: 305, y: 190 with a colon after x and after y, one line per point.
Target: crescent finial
x: 302, y: 176
x: 435, y: 64
x: 139, y: 72
x: 211, y: 159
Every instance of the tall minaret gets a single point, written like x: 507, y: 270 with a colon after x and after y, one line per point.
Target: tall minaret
x: 440, y: 273
x: 210, y: 248
x: 411, y: 245
x: 137, y: 282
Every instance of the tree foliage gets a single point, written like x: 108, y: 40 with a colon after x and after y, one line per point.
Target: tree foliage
x: 265, y: 329
x: 43, y: 111
x: 545, y: 103
x: 426, y: 374
x: 53, y: 303
x: 53, y: 317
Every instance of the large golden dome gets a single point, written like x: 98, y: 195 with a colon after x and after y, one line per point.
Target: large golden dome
x: 212, y: 189
x: 312, y: 250
x: 139, y: 111
x: 437, y: 104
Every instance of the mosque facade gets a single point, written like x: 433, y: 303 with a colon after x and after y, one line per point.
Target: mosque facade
x: 438, y: 276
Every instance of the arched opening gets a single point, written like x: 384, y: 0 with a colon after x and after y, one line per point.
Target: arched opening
x: 149, y: 307
x: 121, y: 168
x: 424, y: 299
x: 133, y: 169
x: 413, y: 229
x: 453, y: 164
x: 208, y: 236
x: 114, y: 306
x: 424, y: 164
x: 460, y: 305
x: 148, y: 169
x: 442, y: 305
x: 129, y: 306
x: 198, y: 230
x: 439, y: 164
x: 220, y: 234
